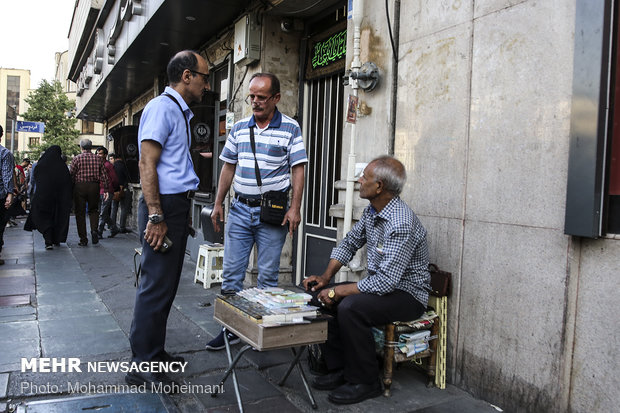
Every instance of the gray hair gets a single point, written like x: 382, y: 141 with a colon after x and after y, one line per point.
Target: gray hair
x: 391, y: 172
x: 86, y: 144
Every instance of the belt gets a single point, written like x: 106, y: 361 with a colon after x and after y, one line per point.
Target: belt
x: 248, y: 201
x: 187, y: 194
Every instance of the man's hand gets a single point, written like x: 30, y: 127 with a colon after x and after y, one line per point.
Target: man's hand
x: 106, y: 196
x: 323, y: 297
x: 155, y: 233
x: 9, y: 201
x: 315, y: 282
x: 217, y: 216
x: 293, y: 217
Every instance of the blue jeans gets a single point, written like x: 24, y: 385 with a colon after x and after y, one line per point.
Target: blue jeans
x: 243, y: 229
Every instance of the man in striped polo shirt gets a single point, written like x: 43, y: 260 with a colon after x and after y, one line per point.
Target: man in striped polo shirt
x: 281, y: 158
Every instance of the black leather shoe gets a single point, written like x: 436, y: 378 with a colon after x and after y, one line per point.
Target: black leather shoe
x: 83, y: 243
x: 94, y: 237
x: 330, y: 381
x: 350, y: 393
x: 155, y: 382
x: 114, y: 232
x: 167, y: 357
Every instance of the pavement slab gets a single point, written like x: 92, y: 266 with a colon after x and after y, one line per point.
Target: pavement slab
x: 82, y: 306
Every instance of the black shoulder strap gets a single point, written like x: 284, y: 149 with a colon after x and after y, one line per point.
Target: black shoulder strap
x: 189, y: 141
x: 256, y: 170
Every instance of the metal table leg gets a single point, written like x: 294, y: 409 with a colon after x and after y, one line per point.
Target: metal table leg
x: 231, y: 369
x: 294, y: 363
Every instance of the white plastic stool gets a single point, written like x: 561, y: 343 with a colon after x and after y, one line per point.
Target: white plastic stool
x: 209, y: 264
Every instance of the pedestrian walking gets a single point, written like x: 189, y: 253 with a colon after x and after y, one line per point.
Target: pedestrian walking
x: 6, y: 188
x: 87, y: 172
x: 106, y: 194
x: 51, y: 201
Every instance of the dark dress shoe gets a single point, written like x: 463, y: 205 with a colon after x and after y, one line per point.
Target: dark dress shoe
x: 83, y: 243
x: 350, y: 393
x: 167, y: 357
x: 114, y: 232
x: 94, y: 237
x: 155, y: 382
x: 330, y: 381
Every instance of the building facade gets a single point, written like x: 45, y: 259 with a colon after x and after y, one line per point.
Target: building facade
x: 501, y: 110
x: 14, y: 89
x: 88, y: 129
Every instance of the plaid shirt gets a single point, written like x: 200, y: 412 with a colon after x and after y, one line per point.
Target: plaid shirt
x: 396, y: 247
x: 7, y: 163
x: 88, y: 167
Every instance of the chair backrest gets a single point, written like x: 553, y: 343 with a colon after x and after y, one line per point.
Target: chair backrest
x: 440, y: 281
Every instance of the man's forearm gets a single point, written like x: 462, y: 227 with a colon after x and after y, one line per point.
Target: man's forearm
x: 226, y: 178
x: 150, y: 188
x: 297, y: 182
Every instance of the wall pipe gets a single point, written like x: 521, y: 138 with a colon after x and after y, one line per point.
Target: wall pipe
x: 300, y: 230
x: 358, y: 9
x: 394, y: 92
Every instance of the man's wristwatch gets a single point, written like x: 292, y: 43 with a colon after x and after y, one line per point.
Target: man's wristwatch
x: 156, y: 218
x: 331, y: 294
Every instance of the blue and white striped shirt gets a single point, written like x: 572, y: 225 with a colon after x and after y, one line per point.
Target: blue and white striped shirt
x: 279, y: 147
x: 397, y: 251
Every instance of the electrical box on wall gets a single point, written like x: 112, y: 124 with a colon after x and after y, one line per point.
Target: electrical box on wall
x: 247, y: 40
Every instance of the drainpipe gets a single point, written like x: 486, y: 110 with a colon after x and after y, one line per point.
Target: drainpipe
x: 358, y: 8
x: 300, y: 230
x: 394, y: 94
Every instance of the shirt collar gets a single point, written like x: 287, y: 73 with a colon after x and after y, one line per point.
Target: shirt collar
x: 276, y: 121
x: 387, y: 210
x: 178, y: 97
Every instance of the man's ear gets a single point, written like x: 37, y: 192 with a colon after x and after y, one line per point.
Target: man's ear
x: 379, y: 186
x: 187, y: 75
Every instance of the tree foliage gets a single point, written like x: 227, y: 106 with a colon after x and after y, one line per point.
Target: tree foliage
x: 48, y: 104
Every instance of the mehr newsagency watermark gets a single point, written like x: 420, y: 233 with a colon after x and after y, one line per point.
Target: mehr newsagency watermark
x: 75, y: 365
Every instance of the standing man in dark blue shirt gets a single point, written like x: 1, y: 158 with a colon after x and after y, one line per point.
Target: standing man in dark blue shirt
x: 396, y: 287
x: 7, y: 163
x: 168, y: 184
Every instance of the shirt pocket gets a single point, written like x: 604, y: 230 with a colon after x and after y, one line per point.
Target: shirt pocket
x: 277, y: 146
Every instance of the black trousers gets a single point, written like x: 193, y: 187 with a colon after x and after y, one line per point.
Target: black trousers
x: 4, y: 219
x: 159, y: 279
x: 86, y: 193
x: 350, y: 343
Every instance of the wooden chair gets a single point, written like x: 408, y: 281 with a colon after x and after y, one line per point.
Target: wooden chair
x: 436, y: 354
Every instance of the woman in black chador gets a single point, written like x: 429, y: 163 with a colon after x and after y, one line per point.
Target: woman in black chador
x: 51, y: 201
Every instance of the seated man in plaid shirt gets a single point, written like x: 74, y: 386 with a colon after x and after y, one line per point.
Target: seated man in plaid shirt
x: 396, y: 287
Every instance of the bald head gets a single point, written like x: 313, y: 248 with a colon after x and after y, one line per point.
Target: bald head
x: 391, y: 172
x: 185, y: 59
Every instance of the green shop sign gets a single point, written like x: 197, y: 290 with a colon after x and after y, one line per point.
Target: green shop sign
x: 326, y: 52
x: 330, y: 50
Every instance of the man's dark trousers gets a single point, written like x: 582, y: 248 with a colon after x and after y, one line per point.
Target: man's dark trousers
x: 159, y: 279
x: 83, y: 193
x: 350, y: 342
x: 4, y: 219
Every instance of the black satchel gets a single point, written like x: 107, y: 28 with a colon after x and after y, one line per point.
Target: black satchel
x: 273, y: 204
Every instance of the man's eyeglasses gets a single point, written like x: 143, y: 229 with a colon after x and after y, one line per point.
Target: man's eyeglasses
x: 205, y: 76
x: 257, y: 98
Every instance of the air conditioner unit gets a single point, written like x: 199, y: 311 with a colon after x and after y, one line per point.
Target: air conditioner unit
x: 247, y: 40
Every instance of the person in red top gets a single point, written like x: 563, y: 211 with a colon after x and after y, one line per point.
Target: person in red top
x: 87, y: 171
x: 106, y: 205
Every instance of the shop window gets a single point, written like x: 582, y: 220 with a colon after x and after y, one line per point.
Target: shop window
x: 32, y: 142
